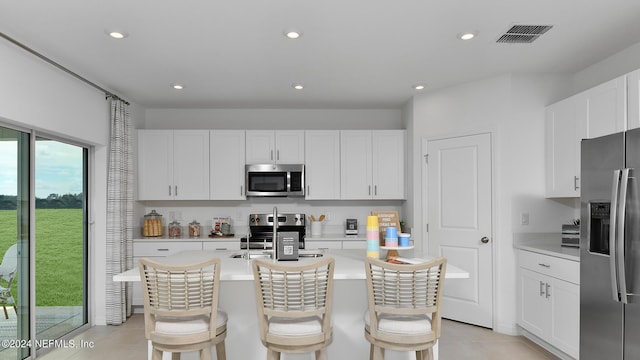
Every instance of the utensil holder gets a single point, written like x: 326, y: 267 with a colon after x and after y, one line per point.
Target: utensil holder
x: 316, y: 228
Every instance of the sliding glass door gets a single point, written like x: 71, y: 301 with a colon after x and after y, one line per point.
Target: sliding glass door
x: 61, y: 252
x: 15, y: 231
x: 43, y: 212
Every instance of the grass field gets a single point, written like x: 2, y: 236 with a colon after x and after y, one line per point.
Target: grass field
x: 59, y: 254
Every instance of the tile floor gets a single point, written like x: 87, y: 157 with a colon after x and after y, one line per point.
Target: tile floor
x: 458, y: 341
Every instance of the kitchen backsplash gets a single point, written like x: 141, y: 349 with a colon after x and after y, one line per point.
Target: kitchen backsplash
x: 334, y: 223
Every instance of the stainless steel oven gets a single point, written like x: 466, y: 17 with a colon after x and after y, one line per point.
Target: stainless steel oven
x: 275, y: 180
x: 261, y: 230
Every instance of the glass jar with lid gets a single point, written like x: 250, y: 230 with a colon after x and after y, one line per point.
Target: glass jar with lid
x: 175, y: 230
x: 194, y: 229
x: 152, y: 225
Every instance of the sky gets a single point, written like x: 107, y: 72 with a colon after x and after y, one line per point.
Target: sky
x: 58, y: 168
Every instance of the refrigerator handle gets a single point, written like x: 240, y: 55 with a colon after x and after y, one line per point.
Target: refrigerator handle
x: 613, y: 235
x: 622, y: 281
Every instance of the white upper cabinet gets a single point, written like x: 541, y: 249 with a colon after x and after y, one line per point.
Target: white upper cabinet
x: 275, y: 147
x: 289, y: 147
x: 602, y: 108
x: 563, y: 135
x: 356, y: 164
x: 227, y: 165
x: 592, y: 113
x: 372, y: 164
x: 389, y: 164
x: 173, y: 164
x: 322, y: 164
x: 633, y: 100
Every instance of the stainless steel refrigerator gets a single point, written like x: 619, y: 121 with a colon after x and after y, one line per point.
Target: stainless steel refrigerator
x: 610, y: 247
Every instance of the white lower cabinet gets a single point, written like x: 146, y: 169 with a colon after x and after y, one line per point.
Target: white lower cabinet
x: 156, y: 250
x: 221, y: 245
x: 549, y: 300
x: 322, y: 244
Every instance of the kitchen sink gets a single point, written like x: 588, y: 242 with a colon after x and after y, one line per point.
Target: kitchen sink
x: 267, y: 255
x: 310, y: 255
x: 252, y: 255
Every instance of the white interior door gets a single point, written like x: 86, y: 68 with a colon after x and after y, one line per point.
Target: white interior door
x: 459, y: 219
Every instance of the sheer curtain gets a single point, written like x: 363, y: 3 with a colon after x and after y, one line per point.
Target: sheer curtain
x: 119, y: 212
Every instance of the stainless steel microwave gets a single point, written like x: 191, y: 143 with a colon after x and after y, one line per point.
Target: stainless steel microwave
x: 274, y: 180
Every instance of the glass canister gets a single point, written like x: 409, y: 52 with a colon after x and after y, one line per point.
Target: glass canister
x: 175, y: 230
x: 152, y: 224
x: 194, y: 229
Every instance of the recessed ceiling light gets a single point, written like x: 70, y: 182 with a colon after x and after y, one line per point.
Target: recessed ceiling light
x: 177, y: 86
x: 292, y: 34
x: 419, y: 87
x: 466, y: 36
x: 298, y: 86
x: 117, y: 34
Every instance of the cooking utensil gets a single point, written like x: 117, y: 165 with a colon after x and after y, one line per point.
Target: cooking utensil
x: 312, y: 218
x: 321, y: 218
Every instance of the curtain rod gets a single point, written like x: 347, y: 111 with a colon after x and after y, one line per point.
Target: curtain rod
x: 108, y: 93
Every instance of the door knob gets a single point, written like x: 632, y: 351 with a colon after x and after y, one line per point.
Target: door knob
x: 484, y: 240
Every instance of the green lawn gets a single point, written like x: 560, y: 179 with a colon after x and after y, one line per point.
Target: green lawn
x: 59, y: 254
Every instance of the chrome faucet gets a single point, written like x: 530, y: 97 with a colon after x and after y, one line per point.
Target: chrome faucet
x: 274, y: 241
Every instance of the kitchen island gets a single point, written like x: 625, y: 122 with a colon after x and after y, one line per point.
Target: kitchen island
x: 238, y: 299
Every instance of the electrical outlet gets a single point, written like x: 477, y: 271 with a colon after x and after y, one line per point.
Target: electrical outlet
x: 524, y: 219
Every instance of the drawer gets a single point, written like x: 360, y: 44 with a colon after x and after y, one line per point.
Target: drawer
x: 221, y: 245
x: 164, y: 248
x: 354, y: 244
x: 320, y: 244
x: 556, y: 267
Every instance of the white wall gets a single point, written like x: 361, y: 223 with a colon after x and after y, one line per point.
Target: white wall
x: 512, y: 108
x: 307, y: 119
x: 616, y: 65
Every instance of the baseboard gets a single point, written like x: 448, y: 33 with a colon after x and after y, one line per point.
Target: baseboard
x: 545, y: 345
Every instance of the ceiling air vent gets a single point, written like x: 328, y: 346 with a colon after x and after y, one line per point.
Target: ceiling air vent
x: 523, y: 34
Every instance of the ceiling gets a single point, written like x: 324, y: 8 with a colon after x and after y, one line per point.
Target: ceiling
x: 364, y: 54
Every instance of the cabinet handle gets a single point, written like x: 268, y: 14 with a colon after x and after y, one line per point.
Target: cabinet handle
x: 241, y: 193
x: 278, y: 155
x: 308, y: 187
x: 176, y: 187
x: 271, y: 158
x: 163, y: 249
x: 375, y: 190
x: 369, y: 189
x: 545, y: 265
x: 575, y: 183
x: 169, y: 190
x: 548, y: 295
x: 541, y: 288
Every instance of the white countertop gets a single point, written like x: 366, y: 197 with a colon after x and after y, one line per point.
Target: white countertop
x: 334, y: 237
x: 349, y: 265
x: 546, y: 243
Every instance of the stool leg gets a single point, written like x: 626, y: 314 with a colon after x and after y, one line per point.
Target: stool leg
x: 205, y: 353
x: 378, y: 353
x: 321, y: 354
x: 221, y: 351
x: 157, y: 354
